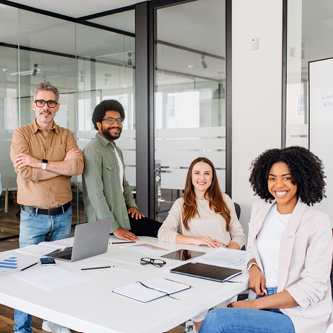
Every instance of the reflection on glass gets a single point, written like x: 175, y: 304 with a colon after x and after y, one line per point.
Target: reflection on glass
x: 189, y: 96
x: 106, y: 71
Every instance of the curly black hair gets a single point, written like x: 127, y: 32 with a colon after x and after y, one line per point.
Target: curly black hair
x: 306, y: 170
x: 103, y: 107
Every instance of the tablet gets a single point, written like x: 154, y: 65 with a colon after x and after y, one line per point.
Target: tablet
x: 183, y: 255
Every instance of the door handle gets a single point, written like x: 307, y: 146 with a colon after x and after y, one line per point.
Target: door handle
x: 159, y: 170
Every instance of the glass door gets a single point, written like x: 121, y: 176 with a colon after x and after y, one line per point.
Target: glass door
x: 189, y: 96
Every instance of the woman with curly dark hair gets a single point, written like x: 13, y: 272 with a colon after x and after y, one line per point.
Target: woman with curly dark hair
x: 204, y: 216
x: 289, y: 251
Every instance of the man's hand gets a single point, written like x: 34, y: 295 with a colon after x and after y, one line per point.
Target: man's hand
x: 125, y: 234
x: 134, y: 213
x: 257, y: 281
x: 23, y: 160
x: 71, y: 154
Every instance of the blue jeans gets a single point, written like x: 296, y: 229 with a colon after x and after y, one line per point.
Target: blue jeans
x: 237, y: 320
x: 33, y: 230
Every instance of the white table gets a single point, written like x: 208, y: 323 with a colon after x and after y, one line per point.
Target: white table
x: 91, y: 307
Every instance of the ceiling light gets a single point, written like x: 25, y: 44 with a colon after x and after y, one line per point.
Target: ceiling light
x: 203, y: 62
x: 219, y: 93
x: 25, y: 73
x: 34, y: 72
x: 129, y: 61
x: 190, y: 66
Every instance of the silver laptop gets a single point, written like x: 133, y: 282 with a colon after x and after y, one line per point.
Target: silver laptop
x: 90, y: 239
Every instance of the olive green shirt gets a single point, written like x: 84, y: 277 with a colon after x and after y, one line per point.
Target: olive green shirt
x: 102, y: 193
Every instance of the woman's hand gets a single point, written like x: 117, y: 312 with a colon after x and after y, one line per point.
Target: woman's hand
x: 243, y: 304
x: 257, y: 281
x: 207, y: 241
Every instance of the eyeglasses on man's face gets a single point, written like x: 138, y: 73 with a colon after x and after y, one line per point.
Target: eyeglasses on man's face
x: 155, y: 262
x: 50, y: 103
x: 111, y: 120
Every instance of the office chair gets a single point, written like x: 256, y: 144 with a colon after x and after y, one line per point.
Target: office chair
x: 238, y: 210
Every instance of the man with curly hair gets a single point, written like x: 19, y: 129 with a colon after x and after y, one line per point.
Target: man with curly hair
x: 106, y: 192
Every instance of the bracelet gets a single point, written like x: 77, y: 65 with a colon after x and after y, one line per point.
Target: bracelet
x: 249, y: 266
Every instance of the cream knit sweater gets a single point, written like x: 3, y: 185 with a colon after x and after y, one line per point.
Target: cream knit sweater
x: 206, y: 224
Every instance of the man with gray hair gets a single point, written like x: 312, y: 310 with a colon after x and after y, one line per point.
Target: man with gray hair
x: 45, y: 157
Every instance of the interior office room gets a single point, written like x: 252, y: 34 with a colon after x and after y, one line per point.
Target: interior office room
x: 224, y: 79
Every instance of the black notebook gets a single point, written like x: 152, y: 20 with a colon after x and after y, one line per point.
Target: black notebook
x: 205, y: 271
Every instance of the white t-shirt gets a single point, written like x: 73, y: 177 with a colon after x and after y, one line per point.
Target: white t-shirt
x: 121, y: 169
x: 268, y: 242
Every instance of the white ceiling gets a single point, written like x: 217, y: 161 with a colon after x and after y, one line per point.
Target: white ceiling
x: 78, y: 8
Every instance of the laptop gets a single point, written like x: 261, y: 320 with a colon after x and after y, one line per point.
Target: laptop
x: 208, y: 272
x: 90, y: 239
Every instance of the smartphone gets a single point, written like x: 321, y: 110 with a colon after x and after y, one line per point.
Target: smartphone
x: 47, y: 262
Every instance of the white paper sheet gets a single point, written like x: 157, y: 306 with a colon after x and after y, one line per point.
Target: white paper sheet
x: 147, y: 249
x: 223, y: 257
x: 44, y: 248
x: 15, y: 263
x: 50, y: 278
x: 114, y: 239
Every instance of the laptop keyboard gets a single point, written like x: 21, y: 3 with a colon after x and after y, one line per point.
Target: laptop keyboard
x: 67, y: 256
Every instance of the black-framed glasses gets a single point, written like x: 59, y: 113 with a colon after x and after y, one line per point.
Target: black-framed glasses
x: 50, y: 103
x: 156, y: 262
x: 111, y: 120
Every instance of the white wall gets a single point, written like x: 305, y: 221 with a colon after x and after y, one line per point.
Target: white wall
x: 256, y: 89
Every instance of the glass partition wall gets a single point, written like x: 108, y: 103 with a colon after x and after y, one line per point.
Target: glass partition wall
x: 189, y: 95
x: 86, y: 64
x: 309, y: 38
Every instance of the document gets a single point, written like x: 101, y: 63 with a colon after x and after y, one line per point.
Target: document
x: 15, y: 263
x: 43, y: 248
x: 146, y: 249
x: 149, y: 290
x: 223, y: 257
x: 49, y: 278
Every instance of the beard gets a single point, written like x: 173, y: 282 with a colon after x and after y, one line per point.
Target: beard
x: 106, y: 133
x: 43, y: 120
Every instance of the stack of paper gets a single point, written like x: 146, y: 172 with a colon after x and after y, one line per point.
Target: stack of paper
x: 50, y: 277
x: 223, y: 257
x: 42, y: 249
x: 152, y: 289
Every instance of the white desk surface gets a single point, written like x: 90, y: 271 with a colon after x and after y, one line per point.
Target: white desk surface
x: 92, y: 307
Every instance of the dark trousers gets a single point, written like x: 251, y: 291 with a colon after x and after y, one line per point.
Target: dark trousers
x: 144, y: 226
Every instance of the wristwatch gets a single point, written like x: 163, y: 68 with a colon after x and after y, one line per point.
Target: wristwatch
x: 251, y: 264
x: 44, y: 164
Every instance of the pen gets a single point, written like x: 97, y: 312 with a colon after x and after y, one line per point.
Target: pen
x: 85, y: 269
x: 29, y: 266
x: 123, y: 242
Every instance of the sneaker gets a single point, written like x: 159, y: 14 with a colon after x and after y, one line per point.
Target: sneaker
x: 189, y: 327
x: 48, y: 326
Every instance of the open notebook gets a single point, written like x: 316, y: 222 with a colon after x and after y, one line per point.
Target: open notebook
x: 149, y: 290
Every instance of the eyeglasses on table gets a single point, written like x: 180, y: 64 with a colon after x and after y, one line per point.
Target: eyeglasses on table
x: 156, y: 262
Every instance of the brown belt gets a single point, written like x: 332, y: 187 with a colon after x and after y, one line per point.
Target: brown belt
x: 52, y: 211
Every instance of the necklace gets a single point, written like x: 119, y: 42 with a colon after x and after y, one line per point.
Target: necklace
x: 202, y: 202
